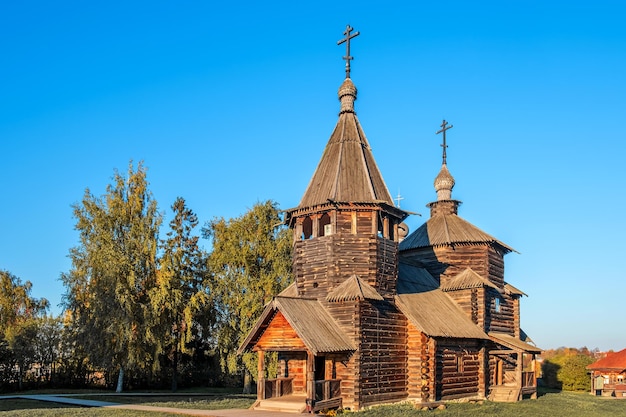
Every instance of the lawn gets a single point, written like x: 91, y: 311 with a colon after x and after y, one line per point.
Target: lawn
x: 562, y: 404
x: 558, y: 404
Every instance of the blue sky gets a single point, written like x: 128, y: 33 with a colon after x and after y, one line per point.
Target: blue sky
x: 230, y: 104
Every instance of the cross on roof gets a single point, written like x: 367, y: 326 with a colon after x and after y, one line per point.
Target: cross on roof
x: 349, y: 36
x: 444, y: 127
x: 398, y: 199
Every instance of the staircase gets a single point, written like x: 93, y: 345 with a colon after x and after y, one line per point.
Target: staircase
x: 504, y: 394
x: 284, y: 404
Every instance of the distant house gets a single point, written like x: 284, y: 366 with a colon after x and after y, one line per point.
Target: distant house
x: 608, y: 375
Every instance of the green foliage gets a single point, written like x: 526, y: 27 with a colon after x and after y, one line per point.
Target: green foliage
x: 20, y: 319
x: 567, y: 372
x: 16, y: 303
x: 250, y: 264
x: 180, y: 299
x: 114, y: 268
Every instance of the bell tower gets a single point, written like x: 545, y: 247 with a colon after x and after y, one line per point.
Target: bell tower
x: 346, y: 223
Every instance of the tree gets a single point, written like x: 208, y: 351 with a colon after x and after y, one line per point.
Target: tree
x: 113, y: 270
x: 18, y: 330
x: 180, y: 298
x: 250, y: 263
x: 565, y: 368
x: 16, y: 303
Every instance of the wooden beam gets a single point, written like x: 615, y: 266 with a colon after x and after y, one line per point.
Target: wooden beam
x: 260, y: 392
x: 310, y: 381
x: 503, y: 352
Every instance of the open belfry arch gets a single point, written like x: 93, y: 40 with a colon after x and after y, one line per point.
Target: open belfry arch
x: 376, y: 316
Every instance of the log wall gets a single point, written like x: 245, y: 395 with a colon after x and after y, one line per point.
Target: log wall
x: 504, y: 320
x: 458, y: 368
x: 347, y: 315
x: 445, y: 262
x: 279, y: 335
x: 293, y: 365
x: 383, y: 354
x: 321, y: 264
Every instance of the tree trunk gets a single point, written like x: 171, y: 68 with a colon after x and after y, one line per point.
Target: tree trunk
x: 120, y: 381
x: 175, y: 370
x: 247, y: 382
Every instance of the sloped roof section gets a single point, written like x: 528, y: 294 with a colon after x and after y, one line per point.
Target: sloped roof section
x: 290, y: 291
x: 510, y: 289
x: 466, y: 279
x: 347, y: 171
x: 310, y: 320
x: 513, y: 342
x: 353, y: 289
x: 429, y: 309
x: 612, y: 362
x: 444, y: 230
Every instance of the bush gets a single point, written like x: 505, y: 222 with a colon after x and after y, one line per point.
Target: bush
x: 567, y: 372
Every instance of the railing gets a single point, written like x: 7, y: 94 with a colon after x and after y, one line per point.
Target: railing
x: 327, y: 388
x: 528, y: 379
x: 278, y: 387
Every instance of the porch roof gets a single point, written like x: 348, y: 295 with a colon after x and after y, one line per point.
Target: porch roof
x: 513, y: 343
x: 309, y: 319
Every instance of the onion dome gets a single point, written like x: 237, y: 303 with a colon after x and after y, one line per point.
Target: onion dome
x: 444, y: 183
x: 347, y: 95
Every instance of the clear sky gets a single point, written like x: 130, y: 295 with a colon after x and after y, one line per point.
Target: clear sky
x: 231, y: 103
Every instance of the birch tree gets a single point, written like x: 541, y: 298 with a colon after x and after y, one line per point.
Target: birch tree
x: 113, y: 270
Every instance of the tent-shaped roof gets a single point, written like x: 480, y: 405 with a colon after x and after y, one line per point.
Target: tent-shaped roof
x: 347, y: 171
x: 312, y: 323
x: 449, y: 229
x: 429, y: 309
x: 466, y: 279
x: 513, y: 342
x: 612, y: 362
x: 353, y: 289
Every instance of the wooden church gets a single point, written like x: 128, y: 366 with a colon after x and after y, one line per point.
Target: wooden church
x: 377, y: 316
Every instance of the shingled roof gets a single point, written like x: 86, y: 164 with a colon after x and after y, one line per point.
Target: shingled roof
x: 449, y: 229
x: 347, y: 171
x: 429, y: 309
x: 513, y: 342
x: 466, y: 279
x: 353, y: 289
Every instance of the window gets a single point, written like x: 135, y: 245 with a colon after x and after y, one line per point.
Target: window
x: 307, y: 228
x: 325, y: 226
x: 497, y: 306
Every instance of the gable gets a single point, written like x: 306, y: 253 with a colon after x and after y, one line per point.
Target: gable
x: 301, y: 318
x: 279, y: 335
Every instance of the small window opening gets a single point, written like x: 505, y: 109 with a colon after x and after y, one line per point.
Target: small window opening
x: 497, y: 307
x: 307, y: 228
x: 325, y: 226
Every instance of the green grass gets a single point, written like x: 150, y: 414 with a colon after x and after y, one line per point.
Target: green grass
x: 562, y: 404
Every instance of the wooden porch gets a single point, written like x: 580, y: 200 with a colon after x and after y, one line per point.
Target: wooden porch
x: 280, y: 394
x: 511, y: 385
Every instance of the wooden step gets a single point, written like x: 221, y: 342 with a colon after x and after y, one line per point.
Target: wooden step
x: 276, y: 405
x: 504, y: 394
